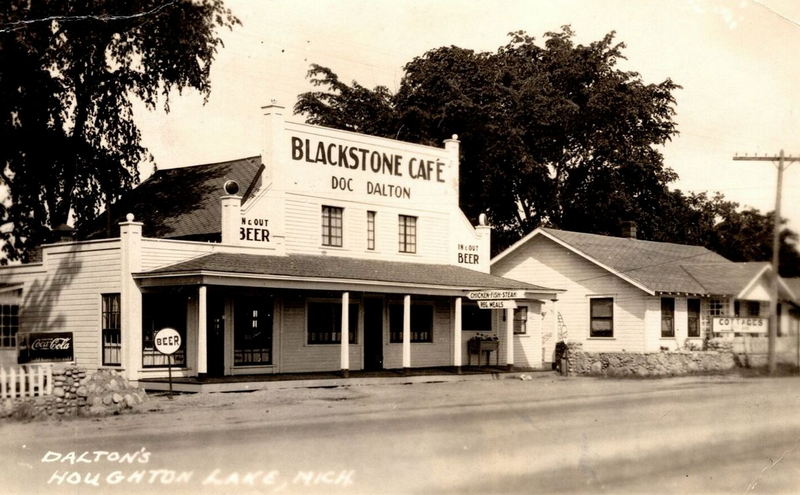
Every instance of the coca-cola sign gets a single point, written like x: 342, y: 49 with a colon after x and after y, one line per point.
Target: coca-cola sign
x: 50, y: 346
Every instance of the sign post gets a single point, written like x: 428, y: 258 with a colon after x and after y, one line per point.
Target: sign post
x: 167, y: 341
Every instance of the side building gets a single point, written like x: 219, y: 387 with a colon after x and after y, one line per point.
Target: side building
x: 330, y: 251
x: 625, y: 294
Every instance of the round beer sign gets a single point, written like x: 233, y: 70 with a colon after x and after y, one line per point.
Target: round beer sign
x: 168, y: 340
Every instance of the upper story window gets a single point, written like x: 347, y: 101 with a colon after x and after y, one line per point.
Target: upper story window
x: 371, y: 230
x: 408, y: 234
x: 332, y: 226
x: 667, y: 316
x: 601, y: 317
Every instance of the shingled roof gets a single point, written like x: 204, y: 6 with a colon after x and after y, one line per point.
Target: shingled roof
x: 341, y: 268
x: 179, y: 203
x: 656, y: 266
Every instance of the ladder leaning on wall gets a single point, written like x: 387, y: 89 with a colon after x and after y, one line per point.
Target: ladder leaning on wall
x: 562, y: 328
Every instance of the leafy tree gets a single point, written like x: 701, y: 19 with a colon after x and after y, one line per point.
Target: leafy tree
x: 69, y: 72
x: 551, y: 133
x: 739, y: 234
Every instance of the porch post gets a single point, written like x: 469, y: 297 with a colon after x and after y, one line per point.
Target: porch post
x: 202, y: 331
x: 457, y: 336
x: 345, y: 344
x: 406, y: 332
x: 509, y: 338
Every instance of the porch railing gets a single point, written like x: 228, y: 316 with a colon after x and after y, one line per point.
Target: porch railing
x: 26, y: 381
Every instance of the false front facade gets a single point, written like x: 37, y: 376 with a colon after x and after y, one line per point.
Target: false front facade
x: 330, y: 251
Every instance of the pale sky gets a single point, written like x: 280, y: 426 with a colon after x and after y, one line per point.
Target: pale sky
x: 738, y: 63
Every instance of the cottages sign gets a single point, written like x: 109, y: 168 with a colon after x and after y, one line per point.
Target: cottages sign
x: 728, y: 324
x: 50, y: 346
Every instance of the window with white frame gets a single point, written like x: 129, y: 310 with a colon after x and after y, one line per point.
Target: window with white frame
x: 332, y: 226
x: 717, y: 306
x: 667, y: 317
x: 421, y: 323
x: 112, y: 338
x: 601, y: 317
x: 325, y: 322
x: 407, y: 234
x: 521, y: 320
x: 475, y: 319
x: 693, y: 317
x: 9, y: 325
x: 371, y: 230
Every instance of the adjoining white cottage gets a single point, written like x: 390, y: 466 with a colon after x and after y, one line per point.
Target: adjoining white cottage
x: 624, y: 294
x: 331, y: 251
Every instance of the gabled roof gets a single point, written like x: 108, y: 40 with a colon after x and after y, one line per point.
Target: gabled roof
x: 655, y: 266
x: 342, y: 269
x: 179, y: 202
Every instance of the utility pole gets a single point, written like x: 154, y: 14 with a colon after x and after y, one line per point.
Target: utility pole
x: 776, y: 246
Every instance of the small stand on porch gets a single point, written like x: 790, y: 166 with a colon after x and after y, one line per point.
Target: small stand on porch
x: 478, y: 345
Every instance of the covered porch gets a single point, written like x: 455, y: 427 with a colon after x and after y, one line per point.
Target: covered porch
x: 263, y: 316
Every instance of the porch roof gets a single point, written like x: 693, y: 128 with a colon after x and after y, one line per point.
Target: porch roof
x: 341, y: 269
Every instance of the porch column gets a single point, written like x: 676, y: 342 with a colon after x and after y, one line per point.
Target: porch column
x: 457, y: 335
x: 202, y: 331
x: 345, y: 345
x: 406, y: 332
x: 509, y: 338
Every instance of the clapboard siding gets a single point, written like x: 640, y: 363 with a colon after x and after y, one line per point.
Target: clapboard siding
x: 68, y: 296
x: 303, y: 222
x: 543, y: 262
x: 157, y: 253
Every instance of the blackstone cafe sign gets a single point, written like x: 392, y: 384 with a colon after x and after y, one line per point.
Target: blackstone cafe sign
x: 358, y: 171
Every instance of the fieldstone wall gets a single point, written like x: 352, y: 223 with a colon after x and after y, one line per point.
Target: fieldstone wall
x: 76, y: 392
x: 631, y: 364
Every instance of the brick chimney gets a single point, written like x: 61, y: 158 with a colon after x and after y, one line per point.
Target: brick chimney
x: 628, y: 228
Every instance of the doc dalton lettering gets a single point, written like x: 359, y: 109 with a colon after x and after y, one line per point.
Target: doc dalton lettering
x: 350, y: 157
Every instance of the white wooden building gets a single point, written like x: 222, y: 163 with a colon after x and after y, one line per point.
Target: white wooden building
x: 625, y: 294
x: 330, y: 251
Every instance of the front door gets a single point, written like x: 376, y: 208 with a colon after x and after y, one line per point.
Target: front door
x: 373, y: 333
x: 215, y: 342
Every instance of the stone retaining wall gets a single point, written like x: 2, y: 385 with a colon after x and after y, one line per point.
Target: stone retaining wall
x: 648, y: 364
x: 76, y: 392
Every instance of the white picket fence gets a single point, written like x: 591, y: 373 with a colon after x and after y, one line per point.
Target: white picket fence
x: 26, y: 381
